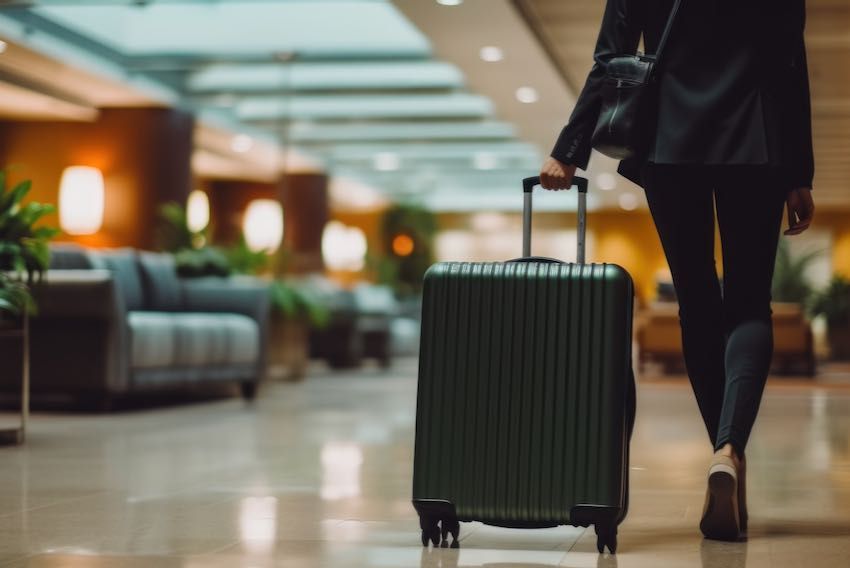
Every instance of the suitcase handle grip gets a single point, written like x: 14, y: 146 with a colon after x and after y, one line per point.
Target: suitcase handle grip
x: 529, y: 183
x: 527, y: 188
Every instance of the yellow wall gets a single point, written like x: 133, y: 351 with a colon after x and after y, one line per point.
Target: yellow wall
x: 839, y: 223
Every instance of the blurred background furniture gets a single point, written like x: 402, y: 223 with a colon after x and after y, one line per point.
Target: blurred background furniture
x: 659, y: 338
x: 121, y: 321
x: 793, y: 345
x: 359, y: 326
x: 17, y: 329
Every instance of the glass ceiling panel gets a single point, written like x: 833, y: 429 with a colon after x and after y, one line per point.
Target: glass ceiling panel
x: 325, y: 107
x: 308, y: 27
x: 339, y: 132
x: 326, y: 76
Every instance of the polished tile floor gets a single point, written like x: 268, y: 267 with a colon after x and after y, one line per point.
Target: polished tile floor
x: 318, y: 474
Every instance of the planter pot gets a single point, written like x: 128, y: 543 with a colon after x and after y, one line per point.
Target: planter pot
x: 838, y: 337
x: 9, y: 321
x: 289, y: 347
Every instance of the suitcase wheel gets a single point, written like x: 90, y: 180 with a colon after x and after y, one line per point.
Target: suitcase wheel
x: 430, y: 531
x: 606, y: 536
x: 450, y: 526
x: 438, y: 520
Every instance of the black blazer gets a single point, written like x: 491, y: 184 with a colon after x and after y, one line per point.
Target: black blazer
x: 734, y: 90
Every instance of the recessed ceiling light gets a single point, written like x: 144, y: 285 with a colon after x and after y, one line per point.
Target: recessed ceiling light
x: 3, y: 46
x: 241, y: 143
x: 527, y: 95
x: 491, y: 53
x: 386, y: 161
x: 628, y: 201
x: 485, y: 161
x: 450, y: 2
x: 606, y: 181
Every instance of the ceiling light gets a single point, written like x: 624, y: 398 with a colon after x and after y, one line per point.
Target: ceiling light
x: 485, y: 161
x: 628, y: 201
x: 491, y: 53
x: 450, y: 2
x: 241, y: 143
x: 606, y: 181
x: 386, y: 161
x: 3, y: 46
x: 527, y: 95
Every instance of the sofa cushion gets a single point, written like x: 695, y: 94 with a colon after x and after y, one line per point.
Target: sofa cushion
x: 243, y: 338
x: 192, y: 339
x: 152, y: 342
x: 125, y: 270
x: 200, y: 339
x: 161, y: 284
x: 67, y: 256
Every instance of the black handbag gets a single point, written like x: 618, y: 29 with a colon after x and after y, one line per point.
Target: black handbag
x: 629, y: 94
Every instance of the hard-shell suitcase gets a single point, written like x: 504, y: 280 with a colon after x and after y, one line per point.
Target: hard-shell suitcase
x: 526, y: 393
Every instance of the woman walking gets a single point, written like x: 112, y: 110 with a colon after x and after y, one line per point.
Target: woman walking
x: 733, y: 133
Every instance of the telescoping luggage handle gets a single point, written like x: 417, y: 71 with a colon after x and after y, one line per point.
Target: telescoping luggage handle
x: 527, y: 188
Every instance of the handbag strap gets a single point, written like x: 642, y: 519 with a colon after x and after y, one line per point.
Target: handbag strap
x: 666, y: 33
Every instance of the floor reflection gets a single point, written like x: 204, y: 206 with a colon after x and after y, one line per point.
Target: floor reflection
x: 717, y: 554
x: 483, y: 558
x: 258, y: 524
x: 341, y: 463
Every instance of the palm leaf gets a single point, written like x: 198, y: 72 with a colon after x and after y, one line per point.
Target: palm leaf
x: 14, y: 197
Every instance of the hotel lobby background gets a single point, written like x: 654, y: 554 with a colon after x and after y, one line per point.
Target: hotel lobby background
x: 361, y: 133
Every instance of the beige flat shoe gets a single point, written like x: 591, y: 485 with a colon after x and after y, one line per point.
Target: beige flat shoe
x: 720, y: 516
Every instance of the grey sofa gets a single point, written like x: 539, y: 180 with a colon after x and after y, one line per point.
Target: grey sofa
x: 118, y: 322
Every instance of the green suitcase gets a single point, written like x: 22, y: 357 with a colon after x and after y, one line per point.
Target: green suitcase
x: 526, y: 394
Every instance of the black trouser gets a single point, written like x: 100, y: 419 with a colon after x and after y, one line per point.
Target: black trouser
x: 727, y: 337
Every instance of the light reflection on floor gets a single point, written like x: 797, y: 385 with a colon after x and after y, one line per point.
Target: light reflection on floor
x: 319, y: 475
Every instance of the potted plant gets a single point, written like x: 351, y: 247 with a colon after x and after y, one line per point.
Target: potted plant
x: 407, y: 232
x: 834, y: 304
x: 24, y: 252
x: 790, y: 283
x: 295, y: 311
x: 15, y: 300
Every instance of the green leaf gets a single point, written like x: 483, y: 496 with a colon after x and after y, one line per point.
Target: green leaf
x: 15, y: 196
x: 9, y: 307
x: 45, y: 232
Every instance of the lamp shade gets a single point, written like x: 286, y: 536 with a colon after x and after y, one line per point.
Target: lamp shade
x: 197, y: 211
x: 81, y: 200
x: 343, y: 248
x: 263, y: 225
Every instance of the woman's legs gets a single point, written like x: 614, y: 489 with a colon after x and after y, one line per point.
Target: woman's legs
x: 680, y: 200
x: 750, y: 203
x: 727, y: 341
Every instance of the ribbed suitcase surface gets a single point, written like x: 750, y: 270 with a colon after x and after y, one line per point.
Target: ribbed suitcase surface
x: 524, y: 384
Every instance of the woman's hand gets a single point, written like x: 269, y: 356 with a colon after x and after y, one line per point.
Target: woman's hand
x: 556, y: 175
x: 801, y: 210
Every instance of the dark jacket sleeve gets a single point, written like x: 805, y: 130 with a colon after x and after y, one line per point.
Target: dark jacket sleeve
x: 798, y: 135
x: 622, y: 24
